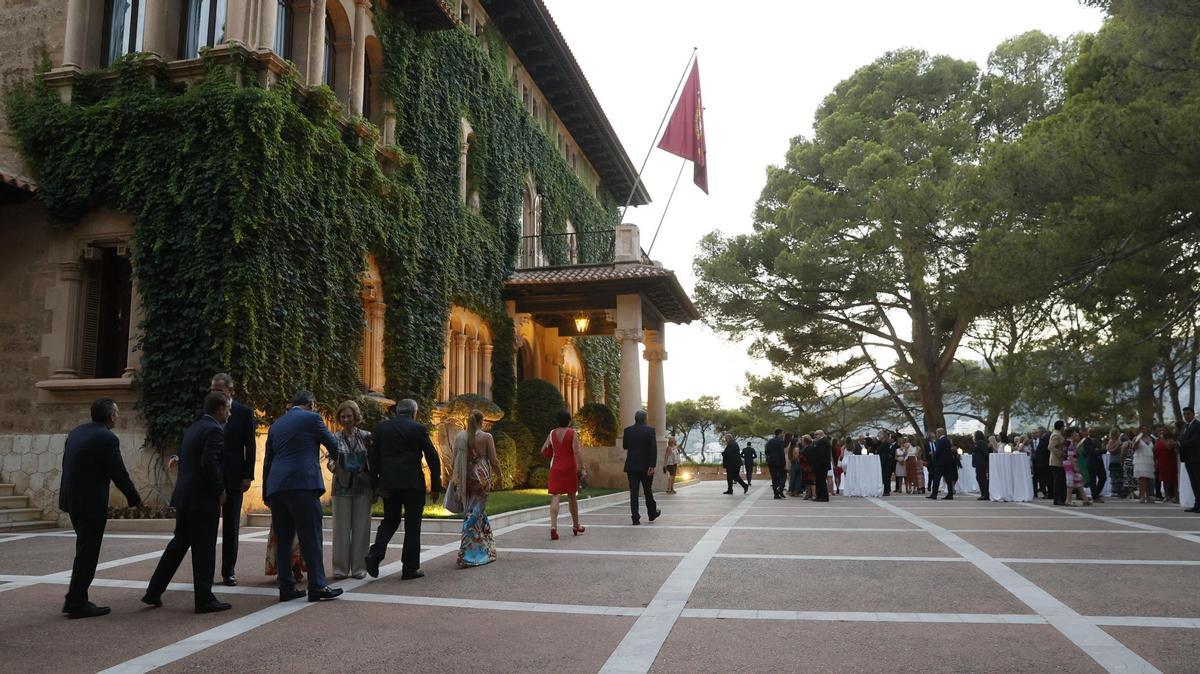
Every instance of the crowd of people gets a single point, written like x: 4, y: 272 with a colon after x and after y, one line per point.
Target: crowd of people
x: 1066, y: 463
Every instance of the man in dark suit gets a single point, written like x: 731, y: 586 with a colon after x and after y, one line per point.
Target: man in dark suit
x: 887, y: 460
x: 641, y: 456
x: 1189, y: 452
x: 1041, y: 464
x: 931, y: 462
x: 776, y: 455
x: 749, y: 456
x: 292, y: 488
x: 91, y: 461
x: 820, y: 457
x: 397, y: 446
x: 199, y: 494
x: 947, y: 462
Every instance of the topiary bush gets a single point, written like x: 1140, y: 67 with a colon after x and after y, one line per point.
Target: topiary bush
x: 514, y: 469
x: 460, y: 408
x: 538, y: 405
x: 539, y: 477
x: 597, y: 425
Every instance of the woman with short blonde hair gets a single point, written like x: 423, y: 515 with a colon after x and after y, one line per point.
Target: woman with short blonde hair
x: 352, y: 494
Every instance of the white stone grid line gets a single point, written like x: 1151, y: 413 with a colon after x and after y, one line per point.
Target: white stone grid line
x: 642, y: 643
x: 1193, y: 536
x: 1099, y: 645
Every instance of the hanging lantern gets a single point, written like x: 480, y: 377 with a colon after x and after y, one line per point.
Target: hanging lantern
x: 582, y: 322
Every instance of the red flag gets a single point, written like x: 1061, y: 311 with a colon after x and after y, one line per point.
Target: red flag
x: 685, y: 132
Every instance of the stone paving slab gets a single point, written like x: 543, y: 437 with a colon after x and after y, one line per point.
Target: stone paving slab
x: 646, y: 536
x: 1090, y: 545
x: 560, y: 579
x: 804, y: 585
x: 1176, y: 523
x: 1032, y: 521
x: 343, y: 636
x: 914, y: 543
x: 817, y: 521
x: 1172, y: 591
x: 50, y: 554
x: 753, y: 645
x: 1171, y: 650
x: 35, y: 637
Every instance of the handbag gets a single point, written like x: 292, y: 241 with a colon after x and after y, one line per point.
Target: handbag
x: 453, y: 501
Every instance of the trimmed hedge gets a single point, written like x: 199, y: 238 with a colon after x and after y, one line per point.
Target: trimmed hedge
x: 597, y: 425
x: 538, y: 405
x: 539, y: 478
x: 513, y: 469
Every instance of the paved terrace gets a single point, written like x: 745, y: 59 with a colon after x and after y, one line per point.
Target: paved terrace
x: 719, y: 583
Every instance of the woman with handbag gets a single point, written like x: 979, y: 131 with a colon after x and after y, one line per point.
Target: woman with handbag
x: 566, y: 469
x: 671, y: 462
x: 475, y: 467
x: 352, y: 495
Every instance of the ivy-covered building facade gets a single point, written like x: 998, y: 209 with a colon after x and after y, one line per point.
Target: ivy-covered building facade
x: 369, y: 199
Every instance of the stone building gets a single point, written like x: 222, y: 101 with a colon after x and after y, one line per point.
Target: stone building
x: 71, y: 328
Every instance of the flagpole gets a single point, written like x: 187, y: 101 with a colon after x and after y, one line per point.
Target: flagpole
x: 637, y: 180
x: 679, y: 175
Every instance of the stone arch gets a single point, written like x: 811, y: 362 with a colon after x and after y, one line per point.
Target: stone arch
x: 338, y: 22
x: 373, y: 78
x: 371, y: 371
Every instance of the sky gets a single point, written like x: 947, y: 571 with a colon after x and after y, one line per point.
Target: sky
x: 765, y: 66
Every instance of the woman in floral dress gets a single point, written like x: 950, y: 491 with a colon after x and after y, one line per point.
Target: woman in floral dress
x: 475, y: 468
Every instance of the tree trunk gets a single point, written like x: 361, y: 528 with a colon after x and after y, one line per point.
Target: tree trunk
x: 1145, y: 395
x: 989, y: 423
x: 1195, y: 356
x: 1171, y: 379
x: 1007, y: 421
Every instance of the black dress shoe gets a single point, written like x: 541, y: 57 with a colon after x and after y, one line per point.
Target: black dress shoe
x: 1193, y: 510
x: 154, y: 600
x: 230, y: 581
x: 409, y: 575
x: 983, y: 498
x: 655, y: 515
x: 636, y: 522
x: 88, y: 610
x: 66, y: 607
x: 745, y: 489
x: 727, y: 492
x: 372, y: 565
x: 932, y: 497
x: 290, y: 593
x: 949, y: 498
x: 214, y: 606
x: 324, y: 593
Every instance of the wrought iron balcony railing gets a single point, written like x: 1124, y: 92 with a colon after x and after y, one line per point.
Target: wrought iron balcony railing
x: 566, y: 249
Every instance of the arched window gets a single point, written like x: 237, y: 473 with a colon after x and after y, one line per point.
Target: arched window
x: 284, y: 20
x: 330, y: 73
x: 531, y: 244
x: 367, y: 104
x: 203, y: 26
x: 124, y: 21
x: 572, y: 243
x: 370, y: 358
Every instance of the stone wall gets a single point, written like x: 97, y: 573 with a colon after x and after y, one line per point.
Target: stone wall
x: 25, y: 276
x: 606, y: 465
x: 29, y: 31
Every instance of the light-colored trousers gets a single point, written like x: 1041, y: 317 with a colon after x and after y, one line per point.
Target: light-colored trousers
x: 351, y: 533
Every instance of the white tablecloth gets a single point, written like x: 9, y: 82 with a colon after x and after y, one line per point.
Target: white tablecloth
x: 1009, y: 477
x: 1186, y: 498
x: 863, y: 476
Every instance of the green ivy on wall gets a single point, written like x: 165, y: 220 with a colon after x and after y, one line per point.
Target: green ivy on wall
x: 255, y: 210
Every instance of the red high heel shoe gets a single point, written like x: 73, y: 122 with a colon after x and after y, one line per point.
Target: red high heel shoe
x: 577, y: 530
x: 554, y: 534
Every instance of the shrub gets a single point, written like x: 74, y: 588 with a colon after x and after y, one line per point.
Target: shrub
x: 513, y: 468
x: 527, y: 448
x: 538, y: 403
x: 539, y: 477
x: 597, y: 425
x: 460, y: 408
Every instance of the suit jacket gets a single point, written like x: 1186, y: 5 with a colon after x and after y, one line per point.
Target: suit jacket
x: 292, y: 459
x: 748, y: 454
x: 1041, y: 453
x: 887, y: 454
x: 731, y: 457
x: 91, y: 461
x: 944, y: 454
x: 775, y: 452
x: 201, y: 482
x: 1189, y: 441
x: 237, y: 459
x: 394, y: 458
x: 979, y: 456
x: 641, y: 448
x: 820, y: 455
x: 1056, y: 449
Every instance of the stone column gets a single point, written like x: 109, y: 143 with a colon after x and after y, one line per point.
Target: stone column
x: 473, y: 366
x: 71, y: 275
x: 460, y: 364
x: 376, y: 311
x: 316, y: 41
x: 75, y: 39
x: 389, y: 123
x: 358, y: 56
x: 485, y: 352
x: 154, y: 37
x: 569, y: 392
x: 267, y: 17
x: 133, y: 358
x: 656, y: 395
x: 446, y: 360
x: 629, y: 333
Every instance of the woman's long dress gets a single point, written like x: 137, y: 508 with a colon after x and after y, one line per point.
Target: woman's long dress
x: 478, y: 547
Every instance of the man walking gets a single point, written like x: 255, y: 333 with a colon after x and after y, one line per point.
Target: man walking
x: 820, y: 457
x: 749, y: 457
x: 1041, y: 463
x: 732, y: 463
x: 776, y: 462
x: 394, y: 460
x: 931, y: 464
x: 292, y: 488
x: 91, y: 461
x: 1189, y: 452
x: 1094, y: 451
x: 887, y: 460
x: 199, y: 494
x: 947, y: 466
x: 641, y: 447
x: 1058, y: 476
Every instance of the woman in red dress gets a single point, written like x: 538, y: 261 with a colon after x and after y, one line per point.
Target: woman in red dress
x: 566, y: 466
x: 1166, y: 457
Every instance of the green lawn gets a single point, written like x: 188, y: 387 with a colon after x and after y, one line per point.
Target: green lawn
x: 500, y: 502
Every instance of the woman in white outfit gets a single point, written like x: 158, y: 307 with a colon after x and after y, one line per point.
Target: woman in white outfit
x: 1143, y: 464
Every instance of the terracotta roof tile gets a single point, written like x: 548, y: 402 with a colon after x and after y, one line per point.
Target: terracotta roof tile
x: 587, y: 273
